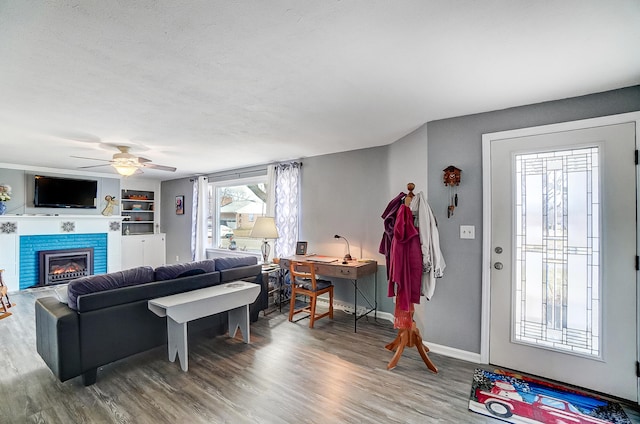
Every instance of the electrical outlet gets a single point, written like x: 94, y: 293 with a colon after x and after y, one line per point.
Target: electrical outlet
x: 177, y: 258
x: 467, y: 231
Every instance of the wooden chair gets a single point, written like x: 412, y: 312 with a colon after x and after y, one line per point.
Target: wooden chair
x: 307, y: 284
x: 5, y: 303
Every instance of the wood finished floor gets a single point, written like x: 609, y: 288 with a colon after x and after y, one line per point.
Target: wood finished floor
x: 288, y: 374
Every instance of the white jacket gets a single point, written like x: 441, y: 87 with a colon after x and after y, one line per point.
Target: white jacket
x: 432, y: 261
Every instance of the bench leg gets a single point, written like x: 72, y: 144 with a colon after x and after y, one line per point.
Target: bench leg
x: 177, y: 343
x: 239, y: 319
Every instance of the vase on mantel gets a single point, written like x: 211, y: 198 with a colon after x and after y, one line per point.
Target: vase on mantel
x: 3, y: 208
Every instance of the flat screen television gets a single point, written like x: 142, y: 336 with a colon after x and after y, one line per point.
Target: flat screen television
x: 53, y: 192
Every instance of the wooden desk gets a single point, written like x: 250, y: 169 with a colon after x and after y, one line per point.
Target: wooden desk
x: 352, y: 271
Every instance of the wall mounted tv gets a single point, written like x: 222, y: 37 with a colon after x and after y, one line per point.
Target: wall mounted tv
x: 53, y: 192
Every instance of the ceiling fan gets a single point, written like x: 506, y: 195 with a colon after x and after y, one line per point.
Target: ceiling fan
x: 128, y: 164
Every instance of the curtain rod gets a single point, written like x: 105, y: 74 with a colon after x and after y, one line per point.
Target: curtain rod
x: 246, y: 172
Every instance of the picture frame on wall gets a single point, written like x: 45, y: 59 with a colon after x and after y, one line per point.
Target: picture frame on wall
x: 301, y: 248
x: 179, y: 205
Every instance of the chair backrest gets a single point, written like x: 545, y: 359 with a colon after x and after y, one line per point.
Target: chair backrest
x: 296, y: 268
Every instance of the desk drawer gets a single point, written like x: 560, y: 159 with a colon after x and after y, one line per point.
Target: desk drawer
x: 337, y: 271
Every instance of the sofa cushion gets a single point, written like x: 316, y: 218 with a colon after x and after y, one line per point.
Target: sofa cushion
x: 169, y: 272
x: 98, y: 283
x: 192, y: 272
x: 228, y: 263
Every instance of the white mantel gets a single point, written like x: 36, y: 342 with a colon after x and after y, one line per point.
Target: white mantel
x: 14, y: 226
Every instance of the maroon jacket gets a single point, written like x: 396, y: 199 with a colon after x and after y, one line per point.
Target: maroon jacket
x: 406, y: 261
x: 389, y: 217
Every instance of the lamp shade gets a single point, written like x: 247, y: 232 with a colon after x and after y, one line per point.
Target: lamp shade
x: 265, y: 227
x: 125, y: 169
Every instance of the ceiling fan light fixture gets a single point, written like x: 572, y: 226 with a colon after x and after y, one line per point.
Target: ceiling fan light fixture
x: 125, y: 169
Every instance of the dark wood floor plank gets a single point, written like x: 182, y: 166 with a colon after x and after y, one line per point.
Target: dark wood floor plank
x: 289, y: 373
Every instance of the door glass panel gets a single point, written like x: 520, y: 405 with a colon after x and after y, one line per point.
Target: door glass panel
x: 557, y: 240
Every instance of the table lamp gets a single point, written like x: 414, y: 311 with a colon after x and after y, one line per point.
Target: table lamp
x: 265, y: 228
x: 347, y: 257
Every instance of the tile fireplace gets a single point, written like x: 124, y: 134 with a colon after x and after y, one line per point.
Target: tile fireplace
x: 22, y: 237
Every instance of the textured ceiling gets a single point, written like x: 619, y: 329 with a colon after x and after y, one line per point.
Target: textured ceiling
x: 214, y: 85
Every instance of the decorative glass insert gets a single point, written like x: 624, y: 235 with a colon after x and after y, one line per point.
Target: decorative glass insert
x: 557, y: 239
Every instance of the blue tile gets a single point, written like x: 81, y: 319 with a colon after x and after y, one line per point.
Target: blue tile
x: 31, y: 245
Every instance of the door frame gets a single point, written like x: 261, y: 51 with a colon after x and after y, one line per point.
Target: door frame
x: 487, y: 139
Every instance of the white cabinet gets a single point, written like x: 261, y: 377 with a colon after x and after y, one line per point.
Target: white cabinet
x: 141, y: 250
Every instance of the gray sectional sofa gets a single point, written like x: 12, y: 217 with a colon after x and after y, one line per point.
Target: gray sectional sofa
x: 106, y: 317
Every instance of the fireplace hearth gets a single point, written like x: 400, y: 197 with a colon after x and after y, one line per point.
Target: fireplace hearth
x: 61, y: 266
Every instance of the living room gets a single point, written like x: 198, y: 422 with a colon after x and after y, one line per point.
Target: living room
x: 342, y: 191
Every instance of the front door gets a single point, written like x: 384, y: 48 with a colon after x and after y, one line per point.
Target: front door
x: 563, y: 247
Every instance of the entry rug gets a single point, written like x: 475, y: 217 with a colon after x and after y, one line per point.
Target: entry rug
x: 519, y: 399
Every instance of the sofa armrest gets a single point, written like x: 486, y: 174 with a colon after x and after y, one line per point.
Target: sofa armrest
x: 58, y: 337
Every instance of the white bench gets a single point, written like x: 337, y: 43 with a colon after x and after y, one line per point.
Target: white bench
x: 234, y: 297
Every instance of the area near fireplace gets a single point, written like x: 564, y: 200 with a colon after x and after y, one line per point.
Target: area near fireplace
x: 22, y: 237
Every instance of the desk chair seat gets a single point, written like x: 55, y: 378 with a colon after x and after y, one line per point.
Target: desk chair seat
x: 306, y: 283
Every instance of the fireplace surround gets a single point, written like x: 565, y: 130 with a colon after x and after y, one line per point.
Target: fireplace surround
x: 23, y: 236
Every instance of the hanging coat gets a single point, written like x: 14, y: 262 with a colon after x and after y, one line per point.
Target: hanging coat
x: 389, y: 217
x: 405, y: 273
x: 432, y: 259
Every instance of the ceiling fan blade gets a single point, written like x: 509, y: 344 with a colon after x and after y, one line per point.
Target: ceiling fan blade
x: 143, y: 160
x: 158, y: 167
x: 93, y: 166
x: 83, y: 157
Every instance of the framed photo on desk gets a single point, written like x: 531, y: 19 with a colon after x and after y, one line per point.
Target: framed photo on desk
x: 301, y: 248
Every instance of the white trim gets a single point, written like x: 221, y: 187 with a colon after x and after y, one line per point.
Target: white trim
x: 212, y: 253
x: 487, y: 139
x: 453, y: 352
x: 485, y: 314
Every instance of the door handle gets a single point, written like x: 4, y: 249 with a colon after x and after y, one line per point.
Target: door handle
x: 498, y: 266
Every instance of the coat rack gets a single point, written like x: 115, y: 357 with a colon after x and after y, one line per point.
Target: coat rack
x: 409, y: 337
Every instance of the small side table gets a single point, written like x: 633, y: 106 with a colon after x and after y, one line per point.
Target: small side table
x: 269, y: 271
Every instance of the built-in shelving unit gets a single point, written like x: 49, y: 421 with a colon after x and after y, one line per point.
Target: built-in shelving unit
x: 138, y: 208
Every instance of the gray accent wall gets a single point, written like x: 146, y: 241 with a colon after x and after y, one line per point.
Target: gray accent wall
x: 452, y: 317
x: 177, y: 227
x: 345, y: 194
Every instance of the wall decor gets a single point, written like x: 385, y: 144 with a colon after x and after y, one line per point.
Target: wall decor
x: 9, y: 227
x: 451, y: 178
x: 114, y: 226
x: 179, y: 205
x: 68, y: 227
x: 111, y: 203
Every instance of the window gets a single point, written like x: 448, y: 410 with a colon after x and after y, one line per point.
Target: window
x: 557, y: 239
x: 234, y: 207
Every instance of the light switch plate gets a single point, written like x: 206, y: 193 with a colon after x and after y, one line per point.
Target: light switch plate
x: 467, y: 231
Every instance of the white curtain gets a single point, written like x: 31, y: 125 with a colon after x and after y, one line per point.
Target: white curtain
x: 287, y: 207
x: 271, y: 190
x: 199, y: 215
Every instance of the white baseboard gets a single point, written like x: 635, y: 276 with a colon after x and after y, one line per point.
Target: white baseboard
x: 451, y: 352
